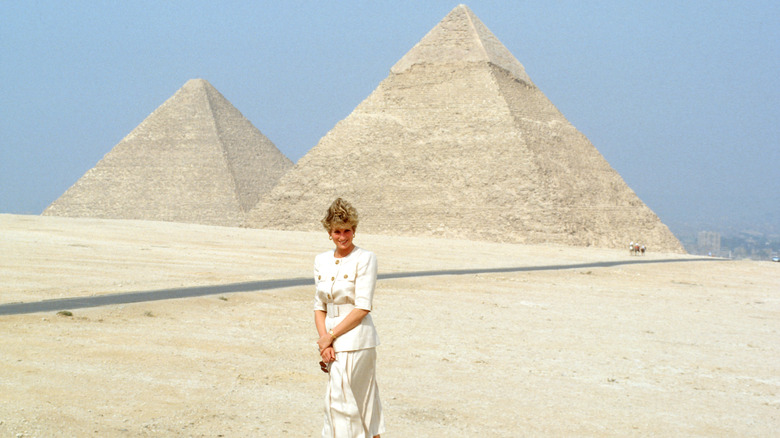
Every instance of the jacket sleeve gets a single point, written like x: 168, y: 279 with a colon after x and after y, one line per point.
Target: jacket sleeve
x: 318, y: 303
x: 365, y: 281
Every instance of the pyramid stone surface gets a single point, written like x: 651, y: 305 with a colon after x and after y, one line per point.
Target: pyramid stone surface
x: 195, y: 159
x: 458, y: 142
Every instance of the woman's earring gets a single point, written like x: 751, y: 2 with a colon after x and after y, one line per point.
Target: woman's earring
x: 330, y: 237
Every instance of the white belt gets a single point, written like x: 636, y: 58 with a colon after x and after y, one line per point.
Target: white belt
x: 334, y: 310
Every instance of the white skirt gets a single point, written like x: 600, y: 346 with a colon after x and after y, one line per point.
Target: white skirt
x: 352, y: 406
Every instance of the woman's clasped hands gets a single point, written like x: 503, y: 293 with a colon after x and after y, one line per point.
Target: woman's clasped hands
x: 325, y: 341
x: 328, y: 355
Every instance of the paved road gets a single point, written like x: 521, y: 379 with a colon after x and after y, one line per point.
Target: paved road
x: 255, y: 286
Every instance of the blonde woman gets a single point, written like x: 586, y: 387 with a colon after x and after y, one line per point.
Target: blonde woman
x: 346, y: 278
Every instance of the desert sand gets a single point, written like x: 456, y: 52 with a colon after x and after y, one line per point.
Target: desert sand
x: 661, y: 345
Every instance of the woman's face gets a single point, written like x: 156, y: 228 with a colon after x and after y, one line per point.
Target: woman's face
x: 342, y: 237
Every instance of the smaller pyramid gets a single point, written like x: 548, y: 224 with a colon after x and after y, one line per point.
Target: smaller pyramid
x: 195, y: 159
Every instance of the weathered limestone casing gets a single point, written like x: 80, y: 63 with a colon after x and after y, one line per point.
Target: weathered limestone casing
x: 458, y: 142
x: 195, y: 159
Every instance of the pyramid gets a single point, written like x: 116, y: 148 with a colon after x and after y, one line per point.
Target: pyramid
x: 195, y: 159
x: 458, y: 142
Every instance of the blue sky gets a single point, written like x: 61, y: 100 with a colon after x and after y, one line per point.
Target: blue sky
x: 682, y: 98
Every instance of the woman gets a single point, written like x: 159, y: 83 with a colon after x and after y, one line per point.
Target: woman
x: 345, y: 279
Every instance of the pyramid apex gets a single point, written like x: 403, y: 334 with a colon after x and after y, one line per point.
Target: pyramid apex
x: 197, y: 82
x: 461, y: 37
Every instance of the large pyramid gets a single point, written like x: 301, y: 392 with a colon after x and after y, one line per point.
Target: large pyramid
x: 458, y: 142
x: 195, y: 159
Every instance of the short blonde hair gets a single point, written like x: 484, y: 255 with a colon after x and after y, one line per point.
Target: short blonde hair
x: 341, y: 214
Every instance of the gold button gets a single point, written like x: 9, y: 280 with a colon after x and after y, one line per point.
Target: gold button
x: 337, y: 262
x: 330, y: 297
x: 346, y: 276
x: 319, y: 277
x: 332, y: 278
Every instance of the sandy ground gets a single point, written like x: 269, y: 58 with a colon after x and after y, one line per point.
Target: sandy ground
x: 671, y: 347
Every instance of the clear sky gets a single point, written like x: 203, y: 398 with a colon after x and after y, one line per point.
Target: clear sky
x: 681, y: 98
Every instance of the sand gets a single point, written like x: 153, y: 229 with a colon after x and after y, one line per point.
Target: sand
x: 672, y: 346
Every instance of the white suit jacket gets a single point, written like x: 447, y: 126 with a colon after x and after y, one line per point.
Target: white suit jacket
x: 347, y: 280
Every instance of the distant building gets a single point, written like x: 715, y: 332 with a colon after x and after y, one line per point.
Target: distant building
x: 709, y: 242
